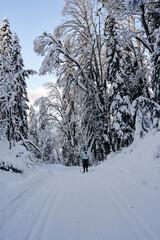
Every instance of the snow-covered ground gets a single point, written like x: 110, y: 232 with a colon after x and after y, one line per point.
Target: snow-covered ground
x: 117, y: 200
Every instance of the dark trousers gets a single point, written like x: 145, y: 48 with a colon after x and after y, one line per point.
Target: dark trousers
x: 85, y: 165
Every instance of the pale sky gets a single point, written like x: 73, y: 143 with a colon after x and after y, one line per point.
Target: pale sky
x: 30, y: 19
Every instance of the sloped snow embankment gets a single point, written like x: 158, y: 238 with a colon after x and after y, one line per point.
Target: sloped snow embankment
x: 133, y: 176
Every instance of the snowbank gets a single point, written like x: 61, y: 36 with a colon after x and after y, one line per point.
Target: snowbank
x: 134, y: 176
x: 138, y: 164
x: 16, y: 160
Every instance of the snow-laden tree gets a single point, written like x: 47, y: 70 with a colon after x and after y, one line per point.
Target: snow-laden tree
x: 135, y: 71
x: 64, y: 116
x: 76, y: 51
x: 45, y: 131
x: 7, y: 81
x: 70, y: 144
x: 155, y: 65
x: 147, y: 116
x: 13, y: 99
x: 6, y: 37
x: 20, y: 88
x: 149, y: 15
x: 121, y: 129
x: 33, y: 128
x: 140, y: 33
x: 89, y: 58
x: 136, y: 57
x: 119, y: 119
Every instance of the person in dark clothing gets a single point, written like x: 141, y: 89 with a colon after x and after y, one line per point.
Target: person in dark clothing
x: 84, y: 157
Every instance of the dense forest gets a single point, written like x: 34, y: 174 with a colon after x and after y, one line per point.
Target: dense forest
x: 106, y: 57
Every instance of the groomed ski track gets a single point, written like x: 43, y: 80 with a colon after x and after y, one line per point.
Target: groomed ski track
x: 63, y: 204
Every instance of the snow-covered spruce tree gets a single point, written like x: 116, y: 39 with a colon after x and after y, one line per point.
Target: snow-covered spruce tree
x: 120, y: 120
x: 13, y: 99
x: 78, y: 47
x: 2, y: 120
x: 20, y: 88
x: 7, y: 81
x: 135, y: 52
x: 131, y: 70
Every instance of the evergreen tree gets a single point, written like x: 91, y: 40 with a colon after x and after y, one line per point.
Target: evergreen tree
x: 120, y: 121
x: 20, y: 88
x: 13, y: 99
x: 7, y: 80
x: 135, y: 70
x: 6, y: 39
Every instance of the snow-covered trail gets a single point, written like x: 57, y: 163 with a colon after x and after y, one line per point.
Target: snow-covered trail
x: 60, y: 204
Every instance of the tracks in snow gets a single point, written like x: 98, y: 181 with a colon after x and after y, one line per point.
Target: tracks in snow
x: 41, y: 218
x: 19, y: 191
x: 88, y: 205
x: 140, y: 229
x: 25, y: 214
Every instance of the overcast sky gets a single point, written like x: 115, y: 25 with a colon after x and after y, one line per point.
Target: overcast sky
x: 30, y: 19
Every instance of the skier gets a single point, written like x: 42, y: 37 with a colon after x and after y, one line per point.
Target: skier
x: 84, y: 157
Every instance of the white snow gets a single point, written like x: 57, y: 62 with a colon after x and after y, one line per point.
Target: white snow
x: 119, y: 200
x: 18, y: 157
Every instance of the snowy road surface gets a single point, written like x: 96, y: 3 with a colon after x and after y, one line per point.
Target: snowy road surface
x: 62, y: 204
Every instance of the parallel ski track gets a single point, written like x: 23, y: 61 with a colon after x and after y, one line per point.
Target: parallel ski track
x: 126, y: 210
x: 29, y: 189
x: 29, y: 198
x: 44, y: 190
x: 40, y: 221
